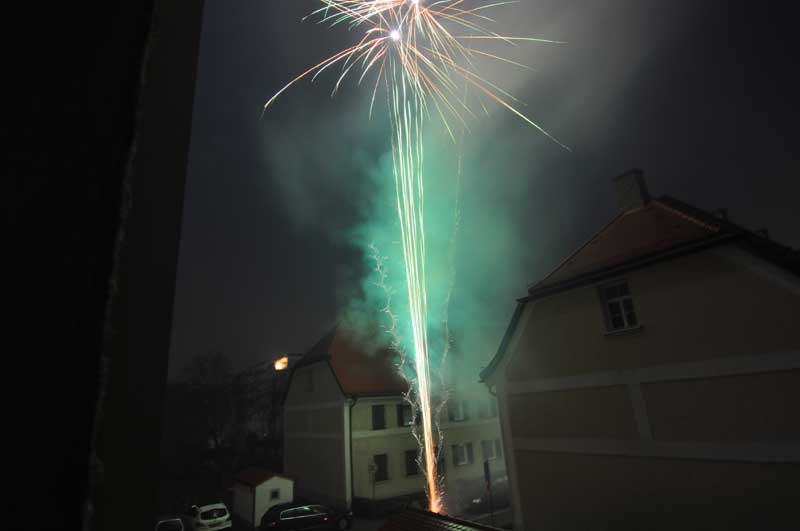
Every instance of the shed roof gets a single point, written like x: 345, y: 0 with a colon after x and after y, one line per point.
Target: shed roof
x: 255, y: 476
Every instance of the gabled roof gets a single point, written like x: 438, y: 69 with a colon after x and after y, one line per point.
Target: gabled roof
x: 660, y: 229
x: 255, y: 476
x: 362, y: 366
x: 663, y: 228
x: 416, y: 520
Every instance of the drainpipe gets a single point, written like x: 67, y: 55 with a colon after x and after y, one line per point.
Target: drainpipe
x: 353, y: 401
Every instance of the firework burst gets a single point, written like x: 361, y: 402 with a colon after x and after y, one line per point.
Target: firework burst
x: 423, y: 52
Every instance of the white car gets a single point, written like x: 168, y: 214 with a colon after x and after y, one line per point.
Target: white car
x: 212, y: 517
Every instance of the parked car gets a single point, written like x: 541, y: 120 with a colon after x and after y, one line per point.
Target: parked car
x: 172, y: 522
x: 211, y: 517
x: 298, y: 516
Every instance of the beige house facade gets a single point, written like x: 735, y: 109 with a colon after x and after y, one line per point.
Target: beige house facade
x: 652, y: 381
x: 349, y: 438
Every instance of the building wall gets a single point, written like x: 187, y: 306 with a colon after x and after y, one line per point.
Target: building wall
x: 314, y: 436
x: 395, y: 441
x: 699, y: 307
x: 677, y: 420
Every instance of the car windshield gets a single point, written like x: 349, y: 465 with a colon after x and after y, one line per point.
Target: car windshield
x: 213, y: 514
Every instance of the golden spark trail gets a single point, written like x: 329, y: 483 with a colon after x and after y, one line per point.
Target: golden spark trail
x: 415, y: 53
x: 407, y: 157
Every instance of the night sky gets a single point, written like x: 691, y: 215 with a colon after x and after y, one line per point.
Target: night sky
x: 700, y: 95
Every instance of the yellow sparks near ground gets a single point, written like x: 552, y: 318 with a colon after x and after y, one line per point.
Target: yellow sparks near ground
x: 417, y: 50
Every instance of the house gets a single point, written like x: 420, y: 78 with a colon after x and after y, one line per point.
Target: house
x: 652, y: 380
x: 255, y: 490
x: 348, y: 432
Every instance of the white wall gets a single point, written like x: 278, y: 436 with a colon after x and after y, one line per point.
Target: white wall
x: 263, y: 497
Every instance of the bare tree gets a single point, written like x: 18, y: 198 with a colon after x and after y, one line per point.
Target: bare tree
x: 208, y: 379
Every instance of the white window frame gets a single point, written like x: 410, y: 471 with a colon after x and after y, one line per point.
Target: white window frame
x: 607, y: 302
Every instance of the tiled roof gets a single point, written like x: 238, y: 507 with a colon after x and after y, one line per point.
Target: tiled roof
x: 416, y: 520
x: 361, y: 365
x: 255, y: 476
x: 655, y: 227
x: 659, y: 227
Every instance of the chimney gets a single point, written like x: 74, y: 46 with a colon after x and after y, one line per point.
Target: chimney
x: 631, y: 190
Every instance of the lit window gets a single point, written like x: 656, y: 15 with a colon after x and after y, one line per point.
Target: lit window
x: 378, y: 417
x: 618, y: 307
x: 462, y: 454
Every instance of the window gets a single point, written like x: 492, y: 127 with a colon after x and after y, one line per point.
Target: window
x: 297, y: 512
x: 483, y: 409
x: 412, y: 468
x: 275, y: 494
x: 378, y: 417
x: 492, y: 407
x: 213, y: 514
x: 618, y: 307
x: 457, y: 410
x: 498, y: 448
x: 381, y: 462
x: 405, y: 416
x: 462, y: 454
x: 487, y: 447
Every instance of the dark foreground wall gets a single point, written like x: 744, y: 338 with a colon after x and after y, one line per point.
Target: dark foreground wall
x: 71, y: 86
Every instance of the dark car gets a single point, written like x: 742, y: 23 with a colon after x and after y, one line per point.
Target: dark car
x: 305, y: 516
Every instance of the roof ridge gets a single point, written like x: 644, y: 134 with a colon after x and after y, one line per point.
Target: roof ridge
x: 687, y: 215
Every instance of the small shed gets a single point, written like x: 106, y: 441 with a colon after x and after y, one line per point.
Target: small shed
x: 255, y: 490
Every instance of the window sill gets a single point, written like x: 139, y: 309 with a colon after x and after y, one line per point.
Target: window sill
x: 624, y: 331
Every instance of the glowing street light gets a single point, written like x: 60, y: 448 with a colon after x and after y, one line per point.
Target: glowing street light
x: 281, y: 363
